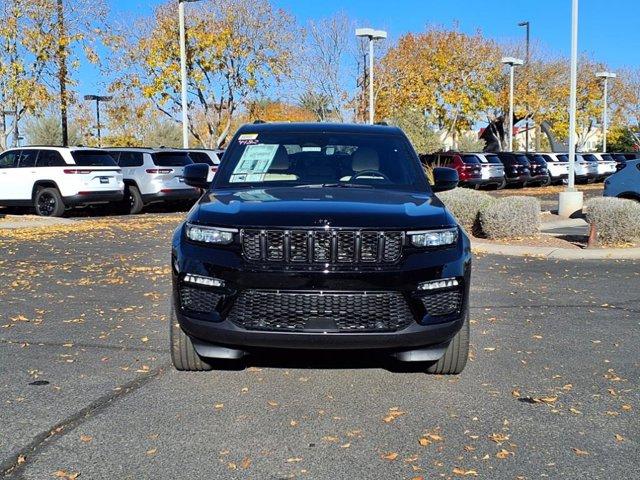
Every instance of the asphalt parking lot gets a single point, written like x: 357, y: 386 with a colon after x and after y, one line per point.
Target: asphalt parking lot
x: 87, y: 387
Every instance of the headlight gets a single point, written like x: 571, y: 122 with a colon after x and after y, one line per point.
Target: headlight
x: 434, y: 238
x: 219, y: 236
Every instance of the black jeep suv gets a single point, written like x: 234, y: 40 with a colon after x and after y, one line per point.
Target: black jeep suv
x: 320, y: 236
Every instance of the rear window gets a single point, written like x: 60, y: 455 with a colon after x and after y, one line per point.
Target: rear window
x: 493, y: 159
x: 563, y: 158
x: 171, y: 159
x: 88, y: 158
x: 606, y: 157
x: 590, y: 158
x: 470, y: 159
x: 536, y: 159
x: 200, y: 157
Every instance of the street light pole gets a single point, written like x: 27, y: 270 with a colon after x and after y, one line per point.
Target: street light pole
x: 98, y: 99
x: 372, y: 35
x: 571, y: 201
x: 606, y: 76
x: 512, y: 62
x: 526, y: 132
x: 183, y: 73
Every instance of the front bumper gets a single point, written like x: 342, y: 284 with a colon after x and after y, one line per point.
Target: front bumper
x: 89, y: 198
x: 420, y: 330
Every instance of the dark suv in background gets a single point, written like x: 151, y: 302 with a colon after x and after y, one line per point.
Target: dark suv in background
x: 320, y: 236
x: 539, y: 170
x: 517, y: 169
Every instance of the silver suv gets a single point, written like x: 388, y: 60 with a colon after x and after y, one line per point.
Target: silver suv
x: 54, y: 179
x: 153, y: 175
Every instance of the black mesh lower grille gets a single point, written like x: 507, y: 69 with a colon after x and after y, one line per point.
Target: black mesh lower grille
x: 199, y: 300
x: 326, y: 311
x: 438, y: 304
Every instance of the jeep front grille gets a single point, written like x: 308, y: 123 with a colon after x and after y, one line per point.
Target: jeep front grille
x: 322, y: 246
x: 327, y: 311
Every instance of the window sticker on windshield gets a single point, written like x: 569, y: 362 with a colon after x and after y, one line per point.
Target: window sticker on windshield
x: 248, y: 139
x: 254, y: 163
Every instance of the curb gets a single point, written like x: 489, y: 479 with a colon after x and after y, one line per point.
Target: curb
x: 557, y: 253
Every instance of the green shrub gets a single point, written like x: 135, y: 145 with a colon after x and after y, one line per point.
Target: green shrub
x: 465, y: 205
x: 511, y: 217
x: 616, y: 220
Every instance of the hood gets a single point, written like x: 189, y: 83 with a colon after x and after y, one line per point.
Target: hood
x: 318, y: 207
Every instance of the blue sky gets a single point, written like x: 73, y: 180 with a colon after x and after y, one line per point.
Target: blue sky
x: 608, y: 28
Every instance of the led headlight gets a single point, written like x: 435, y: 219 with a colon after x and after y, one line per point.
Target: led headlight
x: 219, y: 236
x: 434, y: 238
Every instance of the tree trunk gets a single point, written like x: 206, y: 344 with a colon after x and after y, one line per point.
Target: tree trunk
x: 62, y: 73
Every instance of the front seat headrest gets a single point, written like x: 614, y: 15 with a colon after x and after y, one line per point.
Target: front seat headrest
x: 365, y: 158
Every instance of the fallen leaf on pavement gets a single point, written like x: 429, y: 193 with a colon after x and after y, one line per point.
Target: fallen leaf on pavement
x: 390, y: 456
x: 580, y: 453
x: 462, y: 472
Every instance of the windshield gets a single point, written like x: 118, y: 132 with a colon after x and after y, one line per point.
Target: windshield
x: 88, y: 158
x: 321, y: 159
x: 606, y: 157
x: 563, y: 158
x: 590, y: 158
x: 171, y: 159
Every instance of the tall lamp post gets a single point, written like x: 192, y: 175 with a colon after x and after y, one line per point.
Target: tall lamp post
x: 98, y: 99
x: 606, y: 76
x: 183, y: 73
x: 372, y: 35
x: 570, y: 201
x: 512, y: 62
x: 527, y: 25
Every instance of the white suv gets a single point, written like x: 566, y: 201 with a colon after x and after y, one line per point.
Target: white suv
x: 558, y: 167
x: 52, y: 179
x: 153, y: 175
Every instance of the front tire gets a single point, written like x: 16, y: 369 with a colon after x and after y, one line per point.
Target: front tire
x: 183, y: 354
x: 48, y: 202
x: 455, y: 357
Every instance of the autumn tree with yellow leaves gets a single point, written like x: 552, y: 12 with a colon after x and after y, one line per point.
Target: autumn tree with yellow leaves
x: 236, y: 49
x: 446, y: 75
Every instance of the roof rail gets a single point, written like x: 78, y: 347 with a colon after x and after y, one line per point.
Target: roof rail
x: 258, y: 121
x: 384, y: 124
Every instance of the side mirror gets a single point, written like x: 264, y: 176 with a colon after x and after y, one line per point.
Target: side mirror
x: 444, y: 179
x: 196, y: 175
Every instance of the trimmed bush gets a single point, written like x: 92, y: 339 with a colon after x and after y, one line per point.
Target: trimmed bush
x: 465, y: 205
x: 511, y: 217
x: 616, y: 220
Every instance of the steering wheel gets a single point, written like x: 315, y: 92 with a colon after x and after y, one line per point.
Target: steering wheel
x: 369, y: 172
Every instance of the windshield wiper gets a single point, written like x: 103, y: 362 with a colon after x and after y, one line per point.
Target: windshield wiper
x: 346, y: 185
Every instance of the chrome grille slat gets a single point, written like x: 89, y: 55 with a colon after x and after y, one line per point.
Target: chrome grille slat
x: 333, y: 246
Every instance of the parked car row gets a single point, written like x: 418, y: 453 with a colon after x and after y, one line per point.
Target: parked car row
x: 497, y: 170
x: 54, y: 179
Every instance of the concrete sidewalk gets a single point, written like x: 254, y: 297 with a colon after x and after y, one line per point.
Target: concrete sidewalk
x: 555, y: 252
